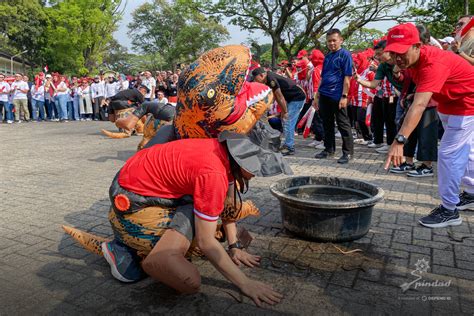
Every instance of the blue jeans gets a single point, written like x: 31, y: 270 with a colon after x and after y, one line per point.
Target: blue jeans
x: 294, y: 109
x: 75, y: 103
x: 61, y: 102
x: 8, y: 111
x: 70, y: 108
x: 37, y: 105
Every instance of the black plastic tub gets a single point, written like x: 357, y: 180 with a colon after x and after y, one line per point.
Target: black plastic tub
x: 326, y: 208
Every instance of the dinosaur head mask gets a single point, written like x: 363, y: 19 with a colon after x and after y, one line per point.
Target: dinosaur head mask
x: 214, y: 95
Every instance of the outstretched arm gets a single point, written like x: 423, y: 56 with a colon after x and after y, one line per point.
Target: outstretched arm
x: 257, y: 291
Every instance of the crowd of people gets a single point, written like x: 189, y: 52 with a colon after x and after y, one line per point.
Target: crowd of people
x: 55, y: 97
x: 409, y: 87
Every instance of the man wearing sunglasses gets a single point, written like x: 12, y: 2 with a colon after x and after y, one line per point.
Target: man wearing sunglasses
x: 464, y: 41
x: 449, y: 80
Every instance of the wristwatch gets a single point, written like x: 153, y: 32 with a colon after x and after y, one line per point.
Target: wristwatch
x: 344, y: 96
x: 401, y: 139
x: 237, y: 245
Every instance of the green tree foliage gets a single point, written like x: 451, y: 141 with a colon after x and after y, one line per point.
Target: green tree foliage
x: 78, y: 32
x: 297, y: 24
x: 174, y: 30
x: 22, y: 25
x: 361, y: 39
x: 440, y: 16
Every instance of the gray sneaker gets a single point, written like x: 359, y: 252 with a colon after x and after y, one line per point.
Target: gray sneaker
x: 403, y: 168
x: 441, y: 217
x: 421, y: 172
x: 466, y: 201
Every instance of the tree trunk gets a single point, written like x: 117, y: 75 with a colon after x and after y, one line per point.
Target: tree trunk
x: 275, y: 51
x: 466, y: 7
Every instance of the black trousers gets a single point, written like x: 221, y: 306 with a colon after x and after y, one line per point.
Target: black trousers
x: 96, y: 106
x: 329, y: 109
x: 364, y: 130
x: 383, y: 114
x: 426, y: 136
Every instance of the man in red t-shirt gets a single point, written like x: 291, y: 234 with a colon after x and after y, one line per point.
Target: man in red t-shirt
x: 204, y: 169
x: 449, y: 79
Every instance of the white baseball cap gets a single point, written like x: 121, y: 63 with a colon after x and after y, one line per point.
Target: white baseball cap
x: 447, y: 39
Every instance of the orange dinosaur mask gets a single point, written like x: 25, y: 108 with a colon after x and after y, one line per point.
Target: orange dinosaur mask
x: 214, y: 95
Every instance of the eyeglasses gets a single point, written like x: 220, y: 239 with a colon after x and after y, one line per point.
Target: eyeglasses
x: 459, y: 24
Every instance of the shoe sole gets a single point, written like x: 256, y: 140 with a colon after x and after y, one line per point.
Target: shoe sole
x: 420, y: 176
x: 111, y: 261
x: 399, y: 171
x: 453, y: 222
x: 469, y: 206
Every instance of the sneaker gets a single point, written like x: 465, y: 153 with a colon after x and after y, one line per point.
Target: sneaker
x: 323, y: 155
x: 421, y: 171
x: 383, y: 150
x: 287, y: 152
x: 403, y: 168
x: 321, y: 146
x: 441, y: 217
x: 361, y: 141
x: 18, y: 122
x: 466, y: 201
x: 124, y: 262
x: 315, y: 143
x: 374, y: 145
x: 9, y: 122
x: 344, y: 159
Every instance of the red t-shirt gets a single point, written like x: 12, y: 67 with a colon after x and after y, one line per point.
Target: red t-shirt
x: 449, y: 77
x: 197, y: 167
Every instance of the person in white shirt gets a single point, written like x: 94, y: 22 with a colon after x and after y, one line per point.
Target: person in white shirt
x: 150, y: 83
x: 37, y: 102
x: 124, y: 83
x: 97, y: 91
x: 160, y: 97
x: 85, y: 103
x: 62, y: 97
x: 19, y: 90
x: 4, y: 104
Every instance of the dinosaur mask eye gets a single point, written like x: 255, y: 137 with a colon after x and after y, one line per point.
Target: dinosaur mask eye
x: 211, y: 93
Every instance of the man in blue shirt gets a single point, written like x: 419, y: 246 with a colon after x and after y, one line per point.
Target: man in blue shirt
x: 331, y: 99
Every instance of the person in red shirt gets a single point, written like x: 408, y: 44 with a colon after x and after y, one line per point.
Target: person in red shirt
x: 317, y: 59
x: 204, y: 169
x: 361, y: 96
x: 449, y: 80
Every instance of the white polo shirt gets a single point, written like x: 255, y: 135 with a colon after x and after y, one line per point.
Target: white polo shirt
x: 20, y: 85
x: 4, y: 91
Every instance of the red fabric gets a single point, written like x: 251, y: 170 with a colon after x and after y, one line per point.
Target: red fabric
x: 317, y: 58
x: 316, y: 77
x: 362, y: 99
x: 197, y: 167
x: 407, y: 81
x: 401, y: 37
x: 302, y: 53
x: 302, y: 68
x: 449, y: 77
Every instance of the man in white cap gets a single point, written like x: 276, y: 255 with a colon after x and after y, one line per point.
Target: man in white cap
x: 446, y: 42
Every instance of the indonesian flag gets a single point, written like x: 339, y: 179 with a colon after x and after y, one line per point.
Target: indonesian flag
x: 46, y: 68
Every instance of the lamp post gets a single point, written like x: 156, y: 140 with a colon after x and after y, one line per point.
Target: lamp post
x: 11, y: 60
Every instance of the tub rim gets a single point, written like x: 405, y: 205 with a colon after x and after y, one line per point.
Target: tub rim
x: 284, y: 198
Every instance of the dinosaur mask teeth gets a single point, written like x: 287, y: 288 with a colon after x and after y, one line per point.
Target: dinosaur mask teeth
x: 252, y: 100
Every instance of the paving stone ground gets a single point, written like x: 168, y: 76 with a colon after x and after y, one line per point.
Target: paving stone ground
x: 53, y: 174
